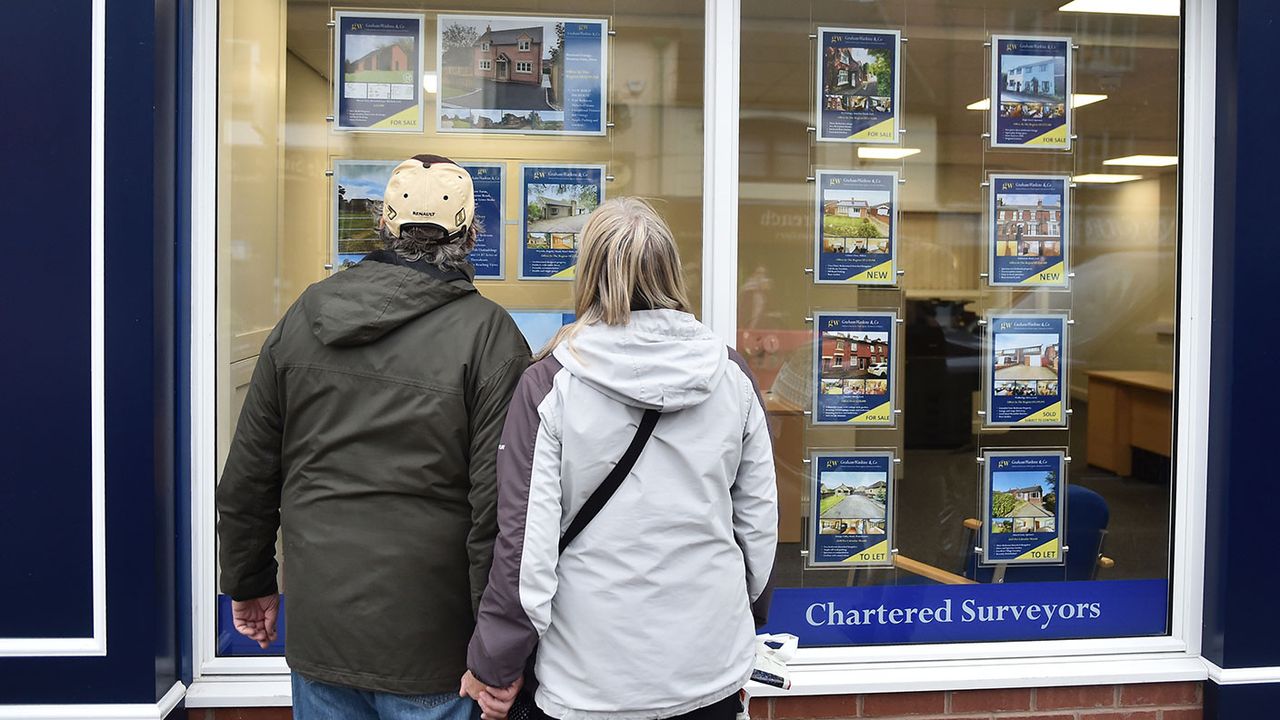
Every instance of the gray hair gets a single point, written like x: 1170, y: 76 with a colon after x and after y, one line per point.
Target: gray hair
x: 423, y: 242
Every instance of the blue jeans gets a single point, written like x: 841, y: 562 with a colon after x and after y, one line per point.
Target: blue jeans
x: 314, y: 700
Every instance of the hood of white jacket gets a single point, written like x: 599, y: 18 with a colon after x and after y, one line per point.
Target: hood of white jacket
x: 662, y: 359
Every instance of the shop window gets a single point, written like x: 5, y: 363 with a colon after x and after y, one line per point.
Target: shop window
x: 318, y: 101
x: 1003, y: 431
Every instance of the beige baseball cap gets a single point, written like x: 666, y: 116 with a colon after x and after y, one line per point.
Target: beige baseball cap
x: 429, y: 190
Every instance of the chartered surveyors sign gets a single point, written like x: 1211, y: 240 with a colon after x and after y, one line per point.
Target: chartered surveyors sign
x: 895, y: 614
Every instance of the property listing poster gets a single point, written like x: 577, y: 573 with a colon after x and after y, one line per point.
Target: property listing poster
x: 487, y: 179
x: 540, y: 326
x: 857, y: 98
x: 358, y: 188
x: 1030, y: 92
x: 1029, y: 230
x: 1026, y: 370
x: 853, y: 515
x: 378, y: 71
x: 1023, y: 496
x: 527, y: 75
x: 856, y: 227
x: 557, y: 201
x: 854, y: 368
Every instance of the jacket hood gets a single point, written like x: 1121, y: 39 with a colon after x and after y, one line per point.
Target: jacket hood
x: 364, y: 302
x: 663, y: 359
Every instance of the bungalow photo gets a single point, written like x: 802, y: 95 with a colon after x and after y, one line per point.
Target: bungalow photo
x: 501, y: 73
x: 1025, y: 356
x: 380, y: 67
x: 1024, y: 501
x: 360, y: 189
x: 1029, y: 225
x: 559, y: 210
x: 856, y: 71
x: 856, y: 221
x: 861, y: 357
x: 853, y: 496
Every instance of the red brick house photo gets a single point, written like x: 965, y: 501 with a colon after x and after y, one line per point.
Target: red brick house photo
x: 510, y: 55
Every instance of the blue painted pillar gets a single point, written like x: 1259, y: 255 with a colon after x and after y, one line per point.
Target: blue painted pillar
x: 1242, y: 582
x: 70, y: 635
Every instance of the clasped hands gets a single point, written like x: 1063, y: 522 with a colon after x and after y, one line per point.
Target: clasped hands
x: 494, y: 703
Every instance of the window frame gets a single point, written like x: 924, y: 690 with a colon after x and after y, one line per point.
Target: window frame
x: 264, y: 681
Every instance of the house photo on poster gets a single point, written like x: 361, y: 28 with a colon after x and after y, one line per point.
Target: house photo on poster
x: 1030, y: 91
x: 377, y: 71
x: 528, y: 75
x: 1026, y: 373
x: 855, y: 369
x: 1029, y: 234
x: 1023, y: 496
x: 852, y: 518
x: 358, y: 187
x: 556, y: 202
x: 857, y: 94
x: 855, y: 227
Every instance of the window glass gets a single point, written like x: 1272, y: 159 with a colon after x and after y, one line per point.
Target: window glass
x: 301, y: 167
x: 998, y: 291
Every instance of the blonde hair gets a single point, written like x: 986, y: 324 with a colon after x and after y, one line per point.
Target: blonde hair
x: 627, y: 257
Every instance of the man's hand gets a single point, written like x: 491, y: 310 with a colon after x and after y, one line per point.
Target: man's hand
x: 256, y: 619
x: 495, y: 703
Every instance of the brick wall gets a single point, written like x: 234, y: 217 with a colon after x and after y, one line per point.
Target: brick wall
x: 1161, y: 701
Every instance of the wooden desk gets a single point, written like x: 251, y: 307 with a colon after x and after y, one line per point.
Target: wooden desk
x: 788, y: 421
x: 1129, y: 409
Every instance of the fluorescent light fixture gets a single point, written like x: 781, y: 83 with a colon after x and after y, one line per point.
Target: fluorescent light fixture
x: 430, y: 83
x: 872, y: 153
x: 1144, y: 160
x: 1077, y: 100
x: 1082, y: 99
x: 1123, y: 7
x: 1104, y: 178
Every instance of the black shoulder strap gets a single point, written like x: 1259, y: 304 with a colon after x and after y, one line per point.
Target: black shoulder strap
x: 601, y: 495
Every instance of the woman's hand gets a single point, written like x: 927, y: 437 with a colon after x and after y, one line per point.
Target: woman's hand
x: 495, y: 703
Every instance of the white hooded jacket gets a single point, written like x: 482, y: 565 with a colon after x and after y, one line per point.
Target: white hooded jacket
x: 647, y: 613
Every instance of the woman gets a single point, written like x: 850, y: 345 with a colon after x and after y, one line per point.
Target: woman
x: 646, y: 614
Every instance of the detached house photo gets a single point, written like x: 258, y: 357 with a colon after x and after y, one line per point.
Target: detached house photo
x: 1026, y: 356
x: 502, y: 74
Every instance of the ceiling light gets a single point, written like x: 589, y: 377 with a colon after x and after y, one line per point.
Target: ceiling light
x: 1123, y: 7
x: 1077, y: 100
x: 871, y: 153
x: 1104, y: 179
x: 1144, y: 160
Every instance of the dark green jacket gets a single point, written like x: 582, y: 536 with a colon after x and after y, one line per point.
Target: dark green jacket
x: 369, y: 434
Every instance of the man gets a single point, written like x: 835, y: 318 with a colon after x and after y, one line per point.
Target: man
x: 369, y: 435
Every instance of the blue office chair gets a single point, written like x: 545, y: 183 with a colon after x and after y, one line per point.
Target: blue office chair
x: 1087, y: 519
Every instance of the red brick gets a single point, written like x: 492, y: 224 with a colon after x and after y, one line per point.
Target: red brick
x: 815, y: 706
x: 1184, y: 714
x: 1159, y: 694
x: 273, y: 713
x: 963, y: 701
x: 1120, y: 715
x: 1088, y: 696
x: 891, y: 704
x: 1038, y: 716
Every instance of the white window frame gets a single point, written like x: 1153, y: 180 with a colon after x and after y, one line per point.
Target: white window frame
x: 528, y: 64
x: 263, y: 681
x: 484, y: 46
x: 524, y: 44
x: 486, y: 64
